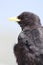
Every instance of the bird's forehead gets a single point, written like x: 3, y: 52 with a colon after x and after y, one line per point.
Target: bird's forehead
x: 25, y: 14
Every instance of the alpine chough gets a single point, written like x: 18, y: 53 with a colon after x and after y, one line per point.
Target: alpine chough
x: 29, y: 49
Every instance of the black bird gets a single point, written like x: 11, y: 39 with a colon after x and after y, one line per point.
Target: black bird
x: 29, y: 49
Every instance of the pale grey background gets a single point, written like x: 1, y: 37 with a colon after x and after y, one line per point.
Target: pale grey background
x: 9, y: 31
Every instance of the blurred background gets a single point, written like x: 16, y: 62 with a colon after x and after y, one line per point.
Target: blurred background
x: 9, y: 31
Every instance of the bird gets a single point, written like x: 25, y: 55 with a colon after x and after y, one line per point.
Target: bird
x: 29, y: 49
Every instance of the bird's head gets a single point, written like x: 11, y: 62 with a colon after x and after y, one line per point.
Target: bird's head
x: 27, y: 19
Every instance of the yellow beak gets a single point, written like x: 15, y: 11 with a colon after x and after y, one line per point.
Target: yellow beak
x: 14, y: 19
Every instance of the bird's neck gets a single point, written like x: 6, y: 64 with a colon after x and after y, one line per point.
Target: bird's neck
x: 31, y: 27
